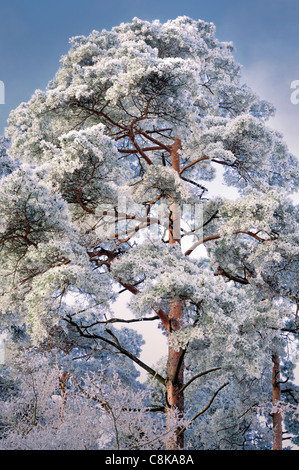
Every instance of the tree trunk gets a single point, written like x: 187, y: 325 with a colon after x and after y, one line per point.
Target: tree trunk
x: 63, y: 390
x: 276, y: 398
x: 175, y: 363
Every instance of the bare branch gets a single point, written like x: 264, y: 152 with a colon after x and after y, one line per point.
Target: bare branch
x: 117, y: 346
x: 201, y: 374
x: 122, y: 320
x: 204, y: 409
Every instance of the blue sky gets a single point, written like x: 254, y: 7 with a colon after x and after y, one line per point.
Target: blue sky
x: 34, y: 35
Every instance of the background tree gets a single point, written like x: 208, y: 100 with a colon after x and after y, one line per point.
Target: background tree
x: 128, y: 135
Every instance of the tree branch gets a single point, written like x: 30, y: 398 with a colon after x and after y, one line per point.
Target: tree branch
x: 193, y: 163
x: 161, y: 314
x: 217, y: 236
x: 204, y: 409
x: 231, y: 277
x: 201, y: 374
x: 200, y: 242
x: 116, y: 345
x: 122, y: 320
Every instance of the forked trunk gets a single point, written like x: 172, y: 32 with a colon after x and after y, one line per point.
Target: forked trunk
x: 175, y: 363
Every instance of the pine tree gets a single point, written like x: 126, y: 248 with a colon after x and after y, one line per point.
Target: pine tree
x: 115, y: 158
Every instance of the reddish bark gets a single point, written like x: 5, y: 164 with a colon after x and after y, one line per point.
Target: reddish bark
x: 175, y: 374
x: 175, y: 363
x: 276, y: 398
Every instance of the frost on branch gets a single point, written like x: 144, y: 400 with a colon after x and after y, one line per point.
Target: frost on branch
x: 40, y: 250
x: 148, y: 112
x: 56, y: 411
x: 162, y: 181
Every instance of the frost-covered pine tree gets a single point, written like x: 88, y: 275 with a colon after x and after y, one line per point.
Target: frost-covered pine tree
x: 112, y: 194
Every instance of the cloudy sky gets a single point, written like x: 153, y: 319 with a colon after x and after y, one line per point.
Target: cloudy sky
x: 35, y: 34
